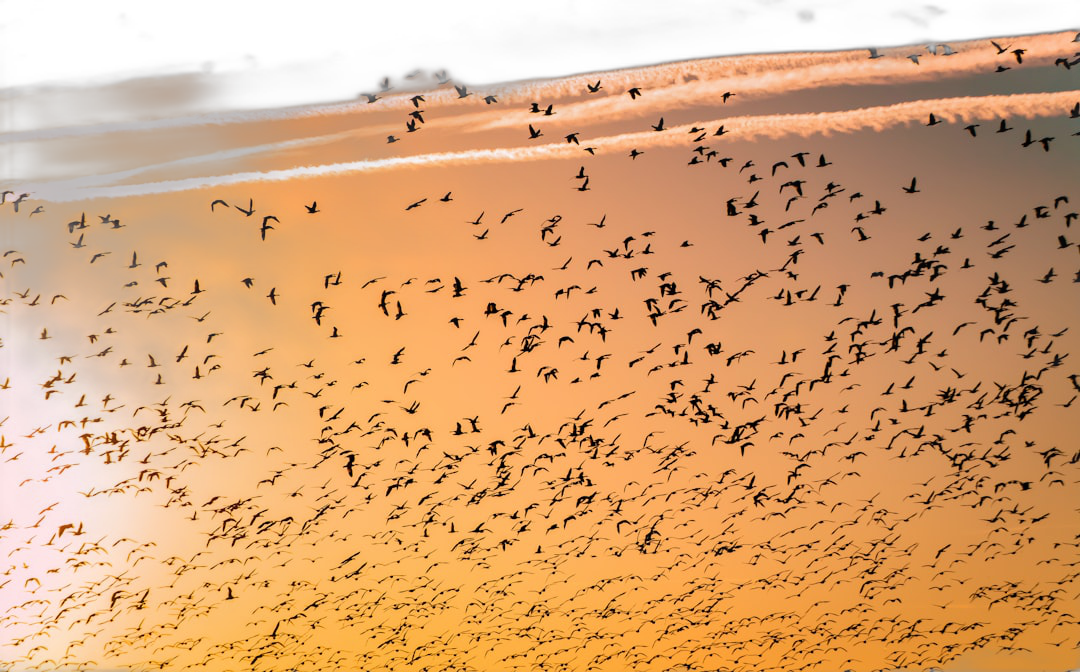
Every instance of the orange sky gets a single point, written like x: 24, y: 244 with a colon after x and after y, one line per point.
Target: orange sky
x: 668, y: 442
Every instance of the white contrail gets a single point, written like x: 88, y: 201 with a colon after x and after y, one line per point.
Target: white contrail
x: 878, y: 118
x: 102, y: 179
x: 671, y: 87
x: 743, y: 128
x: 207, y: 119
x: 62, y: 192
x: 667, y: 85
x: 835, y: 66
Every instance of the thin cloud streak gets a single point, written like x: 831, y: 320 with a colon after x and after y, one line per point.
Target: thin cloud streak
x: 667, y: 85
x: 878, y: 118
x: 744, y: 70
x: 59, y: 192
x: 209, y: 119
x: 745, y: 128
x: 765, y: 76
x: 103, y: 179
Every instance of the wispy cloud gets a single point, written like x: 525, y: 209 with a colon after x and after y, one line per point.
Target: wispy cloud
x: 104, y: 179
x: 868, y: 118
x: 668, y: 86
x: 782, y: 72
x: 673, y: 86
x: 744, y: 128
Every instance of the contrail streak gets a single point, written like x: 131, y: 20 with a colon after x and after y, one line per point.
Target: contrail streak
x: 668, y: 86
x: 90, y: 181
x: 743, y: 128
x: 869, y: 118
x: 60, y: 191
x: 672, y: 87
x: 209, y: 119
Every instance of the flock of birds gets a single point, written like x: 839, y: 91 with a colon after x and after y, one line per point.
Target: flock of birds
x: 852, y: 447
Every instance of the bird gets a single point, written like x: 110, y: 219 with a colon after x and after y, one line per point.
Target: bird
x: 328, y: 472
x: 265, y: 226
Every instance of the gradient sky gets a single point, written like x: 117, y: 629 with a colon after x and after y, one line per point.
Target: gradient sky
x: 681, y: 422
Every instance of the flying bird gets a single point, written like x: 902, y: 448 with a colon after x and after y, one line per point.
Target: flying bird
x: 265, y: 226
x: 250, y: 209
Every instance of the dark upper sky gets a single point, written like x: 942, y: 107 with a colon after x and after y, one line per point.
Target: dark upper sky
x: 268, y: 57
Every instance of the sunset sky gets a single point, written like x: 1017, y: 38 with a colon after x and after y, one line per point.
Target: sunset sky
x: 755, y: 362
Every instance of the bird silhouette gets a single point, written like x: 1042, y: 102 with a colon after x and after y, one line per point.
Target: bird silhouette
x: 250, y: 209
x: 615, y: 466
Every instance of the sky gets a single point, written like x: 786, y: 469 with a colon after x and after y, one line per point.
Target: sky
x: 752, y: 362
